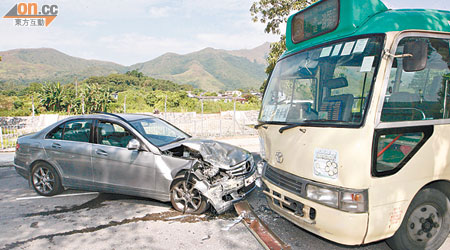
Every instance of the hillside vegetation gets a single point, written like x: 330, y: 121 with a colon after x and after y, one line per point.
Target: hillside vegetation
x: 208, y: 69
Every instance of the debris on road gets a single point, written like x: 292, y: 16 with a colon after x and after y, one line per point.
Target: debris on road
x: 265, y: 236
x: 235, y: 221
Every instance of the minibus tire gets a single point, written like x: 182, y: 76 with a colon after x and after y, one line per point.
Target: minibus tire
x: 428, y: 202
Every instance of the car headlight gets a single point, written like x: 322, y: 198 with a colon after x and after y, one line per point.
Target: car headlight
x: 260, y: 167
x: 354, y: 201
x: 323, y: 195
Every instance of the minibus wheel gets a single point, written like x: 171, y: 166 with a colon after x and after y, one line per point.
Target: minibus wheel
x: 426, y: 223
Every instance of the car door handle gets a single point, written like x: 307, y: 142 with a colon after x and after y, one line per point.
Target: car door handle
x: 56, y: 145
x: 101, y: 152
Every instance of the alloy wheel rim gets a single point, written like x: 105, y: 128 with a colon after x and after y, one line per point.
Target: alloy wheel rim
x: 186, y: 197
x: 424, y: 223
x: 44, y: 180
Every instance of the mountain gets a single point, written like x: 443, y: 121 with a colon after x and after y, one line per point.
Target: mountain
x: 39, y: 65
x: 209, y: 69
x: 257, y: 54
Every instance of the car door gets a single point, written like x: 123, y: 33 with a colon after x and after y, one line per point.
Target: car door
x: 69, y: 145
x: 117, y: 169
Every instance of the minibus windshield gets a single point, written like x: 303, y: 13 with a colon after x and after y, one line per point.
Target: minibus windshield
x: 328, y: 84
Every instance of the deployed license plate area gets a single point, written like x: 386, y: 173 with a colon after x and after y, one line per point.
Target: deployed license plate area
x: 250, y: 179
x: 298, y: 209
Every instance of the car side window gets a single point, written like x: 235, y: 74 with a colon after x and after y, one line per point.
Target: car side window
x: 56, y: 133
x: 113, y: 134
x: 78, y: 130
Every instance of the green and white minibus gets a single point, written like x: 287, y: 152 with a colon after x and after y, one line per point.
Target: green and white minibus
x: 355, y: 124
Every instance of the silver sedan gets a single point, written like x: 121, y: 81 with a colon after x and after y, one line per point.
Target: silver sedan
x: 136, y: 155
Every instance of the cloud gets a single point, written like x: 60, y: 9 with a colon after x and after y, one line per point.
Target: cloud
x: 92, y: 23
x: 129, y: 32
x: 132, y: 48
x: 159, y: 12
x: 234, y: 41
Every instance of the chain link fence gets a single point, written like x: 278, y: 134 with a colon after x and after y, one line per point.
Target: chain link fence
x: 224, y: 124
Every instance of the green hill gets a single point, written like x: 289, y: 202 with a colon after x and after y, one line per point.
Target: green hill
x: 22, y: 66
x: 209, y: 69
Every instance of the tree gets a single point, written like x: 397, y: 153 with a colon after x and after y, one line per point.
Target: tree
x: 52, y: 96
x: 135, y: 73
x: 273, y: 13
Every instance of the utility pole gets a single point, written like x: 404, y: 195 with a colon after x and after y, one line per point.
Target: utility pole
x: 32, y: 105
x: 125, y: 104
x: 76, y: 87
x: 82, y: 105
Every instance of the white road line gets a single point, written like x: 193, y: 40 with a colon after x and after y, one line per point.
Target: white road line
x: 56, y: 196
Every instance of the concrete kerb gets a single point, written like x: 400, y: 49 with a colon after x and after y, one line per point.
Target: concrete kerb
x: 6, y: 159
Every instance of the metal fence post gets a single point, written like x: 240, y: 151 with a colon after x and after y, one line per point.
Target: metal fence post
x: 202, y: 115
x: 234, y: 117
x: 1, y: 136
x: 165, y: 108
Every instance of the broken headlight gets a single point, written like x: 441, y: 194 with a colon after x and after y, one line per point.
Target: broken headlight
x: 354, y: 201
x: 323, y: 195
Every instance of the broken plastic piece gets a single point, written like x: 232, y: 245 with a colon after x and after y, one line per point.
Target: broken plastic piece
x: 236, y: 221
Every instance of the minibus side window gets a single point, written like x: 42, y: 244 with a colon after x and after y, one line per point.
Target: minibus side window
x: 419, y: 95
x: 393, y: 147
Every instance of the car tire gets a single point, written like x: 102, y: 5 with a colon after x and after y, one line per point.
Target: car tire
x: 426, y: 223
x: 183, y: 193
x: 45, y: 179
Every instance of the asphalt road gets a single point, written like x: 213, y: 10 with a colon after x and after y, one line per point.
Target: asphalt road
x: 83, y: 220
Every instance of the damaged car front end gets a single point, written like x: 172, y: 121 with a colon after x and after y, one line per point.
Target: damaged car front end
x: 218, y: 174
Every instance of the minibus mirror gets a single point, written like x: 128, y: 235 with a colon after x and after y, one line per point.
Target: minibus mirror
x: 418, y: 60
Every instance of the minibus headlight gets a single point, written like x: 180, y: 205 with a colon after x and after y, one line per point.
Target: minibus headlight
x: 323, y: 195
x: 262, y: 149
x: 353, y: 201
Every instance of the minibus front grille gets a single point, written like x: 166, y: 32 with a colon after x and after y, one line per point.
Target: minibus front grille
x: 284, y: 180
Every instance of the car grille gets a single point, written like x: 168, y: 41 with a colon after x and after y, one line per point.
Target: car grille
x: 242, y: 168
x: 285, y: 180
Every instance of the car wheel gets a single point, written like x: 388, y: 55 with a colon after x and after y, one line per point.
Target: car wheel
x: 185, y: 198
x: 426, y: 223
x: 45, y: 180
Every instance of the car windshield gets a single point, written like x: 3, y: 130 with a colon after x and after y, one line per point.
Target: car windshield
x: 158, y: 132
x: 329, y: 84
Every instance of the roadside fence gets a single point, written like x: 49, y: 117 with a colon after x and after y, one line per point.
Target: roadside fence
x: 223, y: 124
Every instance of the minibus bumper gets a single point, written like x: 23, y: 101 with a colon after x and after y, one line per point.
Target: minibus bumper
x: 330, y: 223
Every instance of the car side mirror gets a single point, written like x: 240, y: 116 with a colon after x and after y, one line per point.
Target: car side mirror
x: 133, y: 144
x: 419, y: 55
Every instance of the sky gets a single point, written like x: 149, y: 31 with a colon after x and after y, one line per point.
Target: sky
x: 133, y: 31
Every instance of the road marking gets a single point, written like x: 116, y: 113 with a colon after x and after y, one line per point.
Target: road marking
x: 56, y: 196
